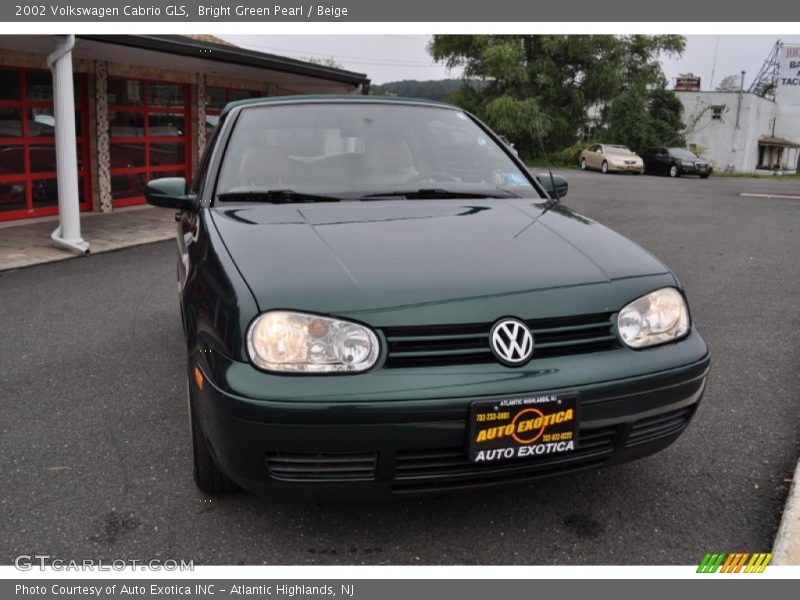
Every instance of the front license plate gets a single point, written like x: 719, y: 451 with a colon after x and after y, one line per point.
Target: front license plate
x: 532, y: 427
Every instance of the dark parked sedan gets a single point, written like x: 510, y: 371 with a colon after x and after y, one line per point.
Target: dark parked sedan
x: 378, y: 297
x: 675, y: 162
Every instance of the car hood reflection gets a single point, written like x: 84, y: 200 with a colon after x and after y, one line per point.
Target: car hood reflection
x: 362, y: 256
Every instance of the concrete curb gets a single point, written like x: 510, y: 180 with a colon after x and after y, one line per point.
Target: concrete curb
x: 14, y: 264
x: 786, y: 550
x: 28, y: 244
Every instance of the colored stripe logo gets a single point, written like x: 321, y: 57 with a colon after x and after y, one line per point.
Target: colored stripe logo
x: 736, y: 562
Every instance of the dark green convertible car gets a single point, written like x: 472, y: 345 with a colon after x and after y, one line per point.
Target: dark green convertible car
x: 379, y: 298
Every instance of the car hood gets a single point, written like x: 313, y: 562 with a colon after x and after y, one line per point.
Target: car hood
x: 369, y: 256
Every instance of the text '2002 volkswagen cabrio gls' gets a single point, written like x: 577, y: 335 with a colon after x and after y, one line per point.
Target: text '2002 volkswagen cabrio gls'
x: 379, y: 298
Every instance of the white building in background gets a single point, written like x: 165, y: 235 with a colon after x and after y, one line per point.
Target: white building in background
x: 753, y: 131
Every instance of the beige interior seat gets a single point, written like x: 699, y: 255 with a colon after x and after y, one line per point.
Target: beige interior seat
x: 387, y: 161
x: 265, y: 167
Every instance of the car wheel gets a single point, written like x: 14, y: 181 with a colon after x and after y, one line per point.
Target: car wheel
x: 604, y: 168
x: 704, y: 176
x: 673, y: 171
x: 207, y: 475
x: 583, y: 164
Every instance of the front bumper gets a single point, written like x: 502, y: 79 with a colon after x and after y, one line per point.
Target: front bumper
x: 635, y: 168
x: 694, y: 169
x: 418, y: 446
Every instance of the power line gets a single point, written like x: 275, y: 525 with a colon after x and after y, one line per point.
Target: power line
x: 351, y: 59
x: 422, y: 38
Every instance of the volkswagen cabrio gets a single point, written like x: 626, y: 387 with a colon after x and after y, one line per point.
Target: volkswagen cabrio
x: 379, y: 298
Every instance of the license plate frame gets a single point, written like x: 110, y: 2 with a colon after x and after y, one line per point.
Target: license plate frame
x: 529, y: 427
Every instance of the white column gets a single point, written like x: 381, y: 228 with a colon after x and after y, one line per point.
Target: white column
x: 68, y: 233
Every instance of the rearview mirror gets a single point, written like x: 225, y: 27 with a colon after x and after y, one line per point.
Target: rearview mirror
x: 561, y: 185
x: 170, y: 192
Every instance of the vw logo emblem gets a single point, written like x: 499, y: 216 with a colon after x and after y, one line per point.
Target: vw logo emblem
x: 512, y: 342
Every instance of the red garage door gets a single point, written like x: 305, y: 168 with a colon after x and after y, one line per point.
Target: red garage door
x: 218, y: 97
x: 150, y: 137
x: 28, y: 185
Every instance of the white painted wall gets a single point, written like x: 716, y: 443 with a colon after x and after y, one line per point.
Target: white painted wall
x: 737, y: 149
x: 727, y: 147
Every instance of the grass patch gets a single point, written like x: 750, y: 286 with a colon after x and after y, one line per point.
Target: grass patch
x: 555, y: 166
x: 765, y: 177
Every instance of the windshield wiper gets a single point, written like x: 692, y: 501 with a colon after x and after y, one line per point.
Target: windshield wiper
x: 275, y: 196
x: 434, y: 193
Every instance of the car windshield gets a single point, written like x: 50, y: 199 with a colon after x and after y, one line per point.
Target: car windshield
x: 617, y: 150
x: 682, y: 153
x: 358, y: 149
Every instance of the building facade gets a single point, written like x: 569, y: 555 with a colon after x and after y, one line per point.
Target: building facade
x: 144, y: 106
x: 754, y: 131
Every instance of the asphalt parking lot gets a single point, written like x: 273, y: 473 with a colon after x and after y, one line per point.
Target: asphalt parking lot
x: 94, y: 441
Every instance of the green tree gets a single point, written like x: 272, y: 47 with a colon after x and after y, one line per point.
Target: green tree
x: 548, y: 82
x: 641, y: 118
x: 411, y: 88
x: 666, y: 113
x: 325, y: 62
x: 729, y: 83
x: 629, y: 121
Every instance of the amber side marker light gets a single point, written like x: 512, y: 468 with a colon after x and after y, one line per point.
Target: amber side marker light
x: 198, y: 377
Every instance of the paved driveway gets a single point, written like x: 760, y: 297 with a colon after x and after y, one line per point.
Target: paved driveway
x: 94, y: 445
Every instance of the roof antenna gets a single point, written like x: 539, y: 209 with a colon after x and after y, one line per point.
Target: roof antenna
x: 554, y: 197
x: 714, y: 65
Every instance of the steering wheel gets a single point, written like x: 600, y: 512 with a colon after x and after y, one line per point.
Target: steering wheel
x: 431, y: 177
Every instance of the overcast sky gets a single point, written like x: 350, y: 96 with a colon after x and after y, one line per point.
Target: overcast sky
x: 392, y: 57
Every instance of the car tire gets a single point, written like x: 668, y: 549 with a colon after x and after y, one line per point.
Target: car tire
x: 674, y: 171
x: 584, y: 166
x: 704, y: 176
x: 207, y: 475
x: 604, y: 168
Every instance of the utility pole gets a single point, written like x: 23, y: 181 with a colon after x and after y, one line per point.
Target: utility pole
x: 739, y: 104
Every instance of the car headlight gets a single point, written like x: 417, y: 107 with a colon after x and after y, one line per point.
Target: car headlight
x: 687, y: 163
x: 656, y: 318
x: 294, y: 342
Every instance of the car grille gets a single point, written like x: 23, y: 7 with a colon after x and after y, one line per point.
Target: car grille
x: 305, y: 467
x: 442, y: 345
x: 453, y: 461
x: 448, y: 469
x: 436, y: 469
x: 659, y: 426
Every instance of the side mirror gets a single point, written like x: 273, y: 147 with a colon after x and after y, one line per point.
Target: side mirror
x: 562, y: 187
x: 170, y: 192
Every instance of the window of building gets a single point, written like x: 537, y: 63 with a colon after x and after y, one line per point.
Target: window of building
x: 218, y: 97
x: 149, y: 135
x: 716, y: 112
x: 28, y: 184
